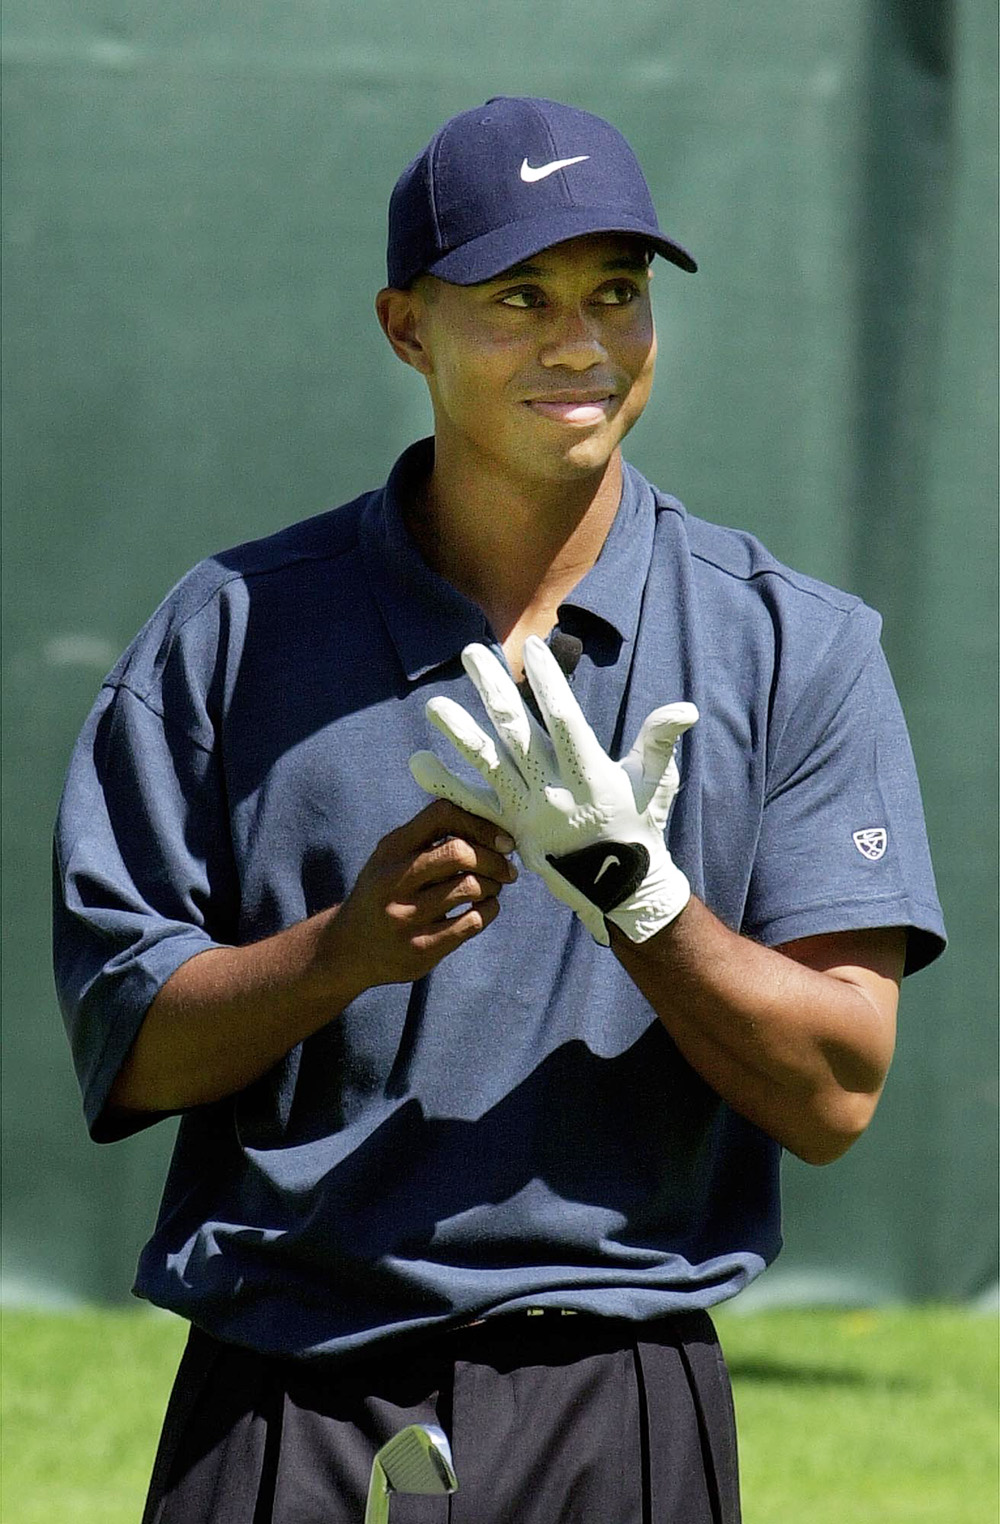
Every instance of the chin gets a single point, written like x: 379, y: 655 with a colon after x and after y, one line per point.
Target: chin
x: 573, y: 465
x: 585, y: 457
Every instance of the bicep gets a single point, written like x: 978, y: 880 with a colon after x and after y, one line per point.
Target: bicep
x: 871, y: 960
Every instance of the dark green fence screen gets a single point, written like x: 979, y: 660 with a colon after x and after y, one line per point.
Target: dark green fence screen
x: 194, y: 210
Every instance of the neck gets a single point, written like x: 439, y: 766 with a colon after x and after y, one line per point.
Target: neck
x: 515, y: 549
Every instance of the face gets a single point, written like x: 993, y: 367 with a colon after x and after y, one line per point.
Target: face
x: 540, y: 373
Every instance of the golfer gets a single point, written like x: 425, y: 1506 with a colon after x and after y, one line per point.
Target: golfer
x: 495, y: 874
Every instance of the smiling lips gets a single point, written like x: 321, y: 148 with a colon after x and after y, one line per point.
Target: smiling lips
x: 572, y: 407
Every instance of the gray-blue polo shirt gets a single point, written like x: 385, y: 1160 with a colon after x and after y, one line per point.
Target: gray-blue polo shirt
x: 517, y: 1128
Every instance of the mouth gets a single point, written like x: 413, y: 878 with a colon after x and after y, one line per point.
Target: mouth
x: 581, y: 408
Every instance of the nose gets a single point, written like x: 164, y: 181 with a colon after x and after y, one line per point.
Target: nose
x: 574, y: 341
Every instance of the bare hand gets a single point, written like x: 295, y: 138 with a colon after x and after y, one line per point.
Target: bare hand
x: 227, y: 1015
x: 405, y: 912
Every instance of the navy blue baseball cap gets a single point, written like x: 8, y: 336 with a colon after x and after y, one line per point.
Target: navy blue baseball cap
x: 500, y: 183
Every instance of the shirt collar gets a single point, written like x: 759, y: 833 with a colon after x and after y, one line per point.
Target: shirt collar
x: 612, y: 590
x: 430, y: 621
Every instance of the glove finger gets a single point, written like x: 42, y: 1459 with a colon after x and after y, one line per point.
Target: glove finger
x: 467, y: 737
x: 513, y: 722
x: 581, y: 757
x: 432, y: 775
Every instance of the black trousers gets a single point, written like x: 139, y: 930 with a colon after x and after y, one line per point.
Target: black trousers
x: 553, y: 1419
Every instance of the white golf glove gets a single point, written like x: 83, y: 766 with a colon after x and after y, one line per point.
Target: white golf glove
x: 590, y: 827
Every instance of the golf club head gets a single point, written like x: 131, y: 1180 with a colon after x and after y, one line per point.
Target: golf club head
x: 416, y: 1460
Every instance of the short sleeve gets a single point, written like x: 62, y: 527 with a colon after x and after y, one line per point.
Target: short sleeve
x: 843, y: 845
x: 143, y: 881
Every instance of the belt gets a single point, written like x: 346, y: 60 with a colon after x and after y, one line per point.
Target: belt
x: 523, y: 1312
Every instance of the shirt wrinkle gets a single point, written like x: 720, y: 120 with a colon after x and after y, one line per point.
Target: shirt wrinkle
x: 823, y: 659
x: 120, y: 685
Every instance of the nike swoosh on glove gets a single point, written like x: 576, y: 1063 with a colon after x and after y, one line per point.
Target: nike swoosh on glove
x: 591, y: 828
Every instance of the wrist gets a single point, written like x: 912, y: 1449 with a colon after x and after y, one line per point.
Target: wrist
x: 332, y: 971
x: 657, y: 902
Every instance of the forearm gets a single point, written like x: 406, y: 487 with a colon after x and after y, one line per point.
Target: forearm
x: 801, y: 1051
x: 229, y: 1014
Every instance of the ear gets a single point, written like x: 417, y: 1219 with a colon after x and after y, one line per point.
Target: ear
x: 401, y: 316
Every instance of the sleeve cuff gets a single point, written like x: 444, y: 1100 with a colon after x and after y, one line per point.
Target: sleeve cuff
x: 926, y: 937
x: 130, y: 991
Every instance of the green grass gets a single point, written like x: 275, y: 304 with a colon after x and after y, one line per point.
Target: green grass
x: 880, y: 1417
x: 883, y: 1417
x: 83, y: 1398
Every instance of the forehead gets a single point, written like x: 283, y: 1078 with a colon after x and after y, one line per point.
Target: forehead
x: 596, y: 253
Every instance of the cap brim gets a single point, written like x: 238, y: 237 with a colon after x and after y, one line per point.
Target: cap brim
x: 487, y: 257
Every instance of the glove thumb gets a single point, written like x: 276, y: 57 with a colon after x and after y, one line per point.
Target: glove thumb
x: 650, y: 764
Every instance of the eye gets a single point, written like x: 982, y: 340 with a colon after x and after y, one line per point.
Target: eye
x: 523, y: 297
x: 617, y: 293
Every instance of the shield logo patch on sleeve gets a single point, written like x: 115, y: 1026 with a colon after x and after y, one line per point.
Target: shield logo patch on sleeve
x: 871, y: 842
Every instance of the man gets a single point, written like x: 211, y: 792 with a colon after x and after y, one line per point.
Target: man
x: 463, y: 1143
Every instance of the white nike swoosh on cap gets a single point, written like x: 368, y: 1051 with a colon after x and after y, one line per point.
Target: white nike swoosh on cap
x: 530, y: 175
